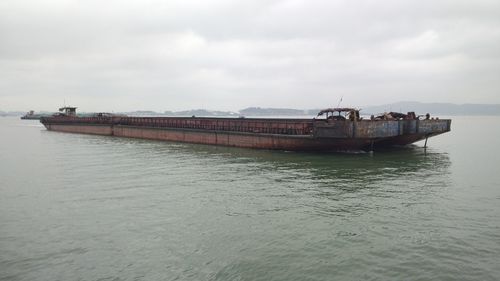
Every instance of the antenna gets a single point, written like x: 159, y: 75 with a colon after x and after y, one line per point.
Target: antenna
x: 340, y: 100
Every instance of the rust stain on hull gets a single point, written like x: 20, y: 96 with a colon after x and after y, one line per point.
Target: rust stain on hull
x: 281, y: 134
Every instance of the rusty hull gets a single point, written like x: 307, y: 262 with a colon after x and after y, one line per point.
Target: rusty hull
x: 282, y: 134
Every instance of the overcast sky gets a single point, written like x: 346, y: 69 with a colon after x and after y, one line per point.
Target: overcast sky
x: 228, y: 54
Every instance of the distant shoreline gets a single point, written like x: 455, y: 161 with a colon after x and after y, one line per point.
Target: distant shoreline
x: 418, y: 107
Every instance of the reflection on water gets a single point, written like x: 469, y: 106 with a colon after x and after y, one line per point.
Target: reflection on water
x: 323, y: 168
x: 310, y: 180
x: 402, y: 161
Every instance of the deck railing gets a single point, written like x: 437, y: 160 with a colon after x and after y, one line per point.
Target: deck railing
x: 264, y: 126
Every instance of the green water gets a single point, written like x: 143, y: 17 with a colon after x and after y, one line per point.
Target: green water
x: 82, y: 207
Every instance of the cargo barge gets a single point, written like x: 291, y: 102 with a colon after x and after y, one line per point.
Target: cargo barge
x: 334, y: 129
x: 31, y: 115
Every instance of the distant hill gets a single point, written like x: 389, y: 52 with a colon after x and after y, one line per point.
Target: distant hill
x: 258, y: 111
x: 435, y: 108
x: 201, y: 113
x: 195, y: 112
x: 405, y: 106
x: 417, y: 107
x: 21, y: 113
x: 11, y: 113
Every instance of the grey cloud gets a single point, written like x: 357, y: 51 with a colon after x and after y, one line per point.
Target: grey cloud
x: 221, y: 54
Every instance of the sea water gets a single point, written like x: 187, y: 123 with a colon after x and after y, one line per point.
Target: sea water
x: 84, y: 207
